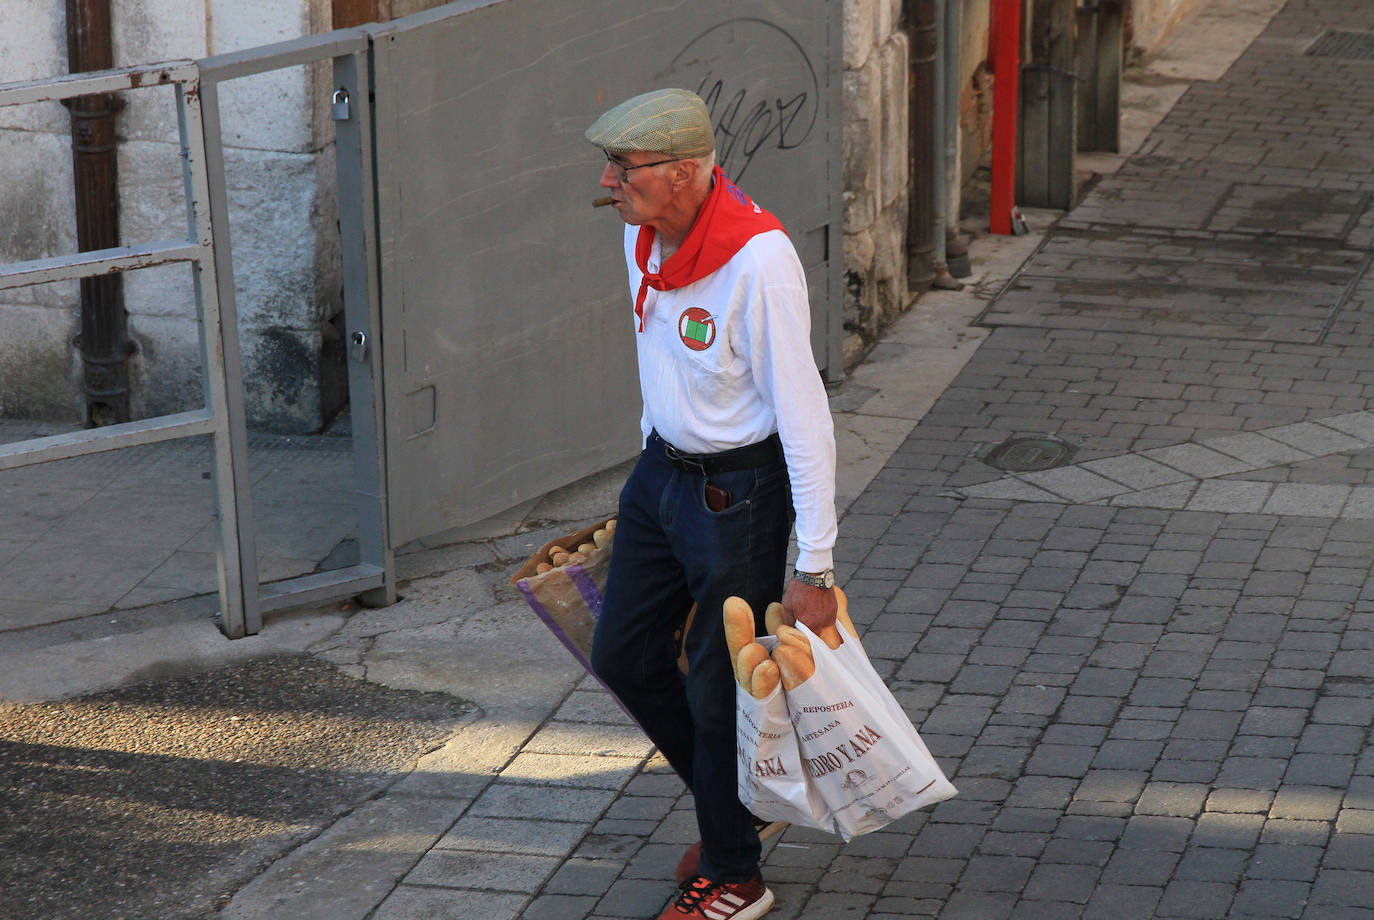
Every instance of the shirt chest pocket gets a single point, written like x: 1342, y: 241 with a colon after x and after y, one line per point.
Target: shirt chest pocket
x: 704, y: 341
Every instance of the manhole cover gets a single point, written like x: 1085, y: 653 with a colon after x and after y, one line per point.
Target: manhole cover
x: 1026, y: 455
x: 1352, y: 46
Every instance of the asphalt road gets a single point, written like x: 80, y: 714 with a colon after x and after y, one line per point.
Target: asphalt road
x: 161, y: 798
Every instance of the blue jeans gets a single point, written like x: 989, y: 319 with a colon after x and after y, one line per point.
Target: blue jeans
x: 671, y: 550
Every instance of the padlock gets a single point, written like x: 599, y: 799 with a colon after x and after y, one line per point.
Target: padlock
x: 339, y: 107
x: 357, y: 346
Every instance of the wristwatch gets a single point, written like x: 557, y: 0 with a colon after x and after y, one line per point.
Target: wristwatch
x: 824, y: 579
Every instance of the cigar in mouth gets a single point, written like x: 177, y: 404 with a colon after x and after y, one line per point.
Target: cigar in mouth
x: 602, y: 202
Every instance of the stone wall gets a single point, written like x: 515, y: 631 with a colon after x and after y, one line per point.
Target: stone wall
x: 876, y: 56
x: 1151, y: 21
x: 279, y: 177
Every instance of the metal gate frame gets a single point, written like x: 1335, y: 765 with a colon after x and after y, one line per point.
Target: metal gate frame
x: 206, y: 249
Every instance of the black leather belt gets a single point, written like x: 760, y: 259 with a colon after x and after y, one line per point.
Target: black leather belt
x: 762, y: 453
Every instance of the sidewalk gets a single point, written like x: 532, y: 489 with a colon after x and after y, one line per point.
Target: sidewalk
x: 1146, y: 669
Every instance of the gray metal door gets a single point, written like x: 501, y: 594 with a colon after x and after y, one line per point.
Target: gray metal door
x: 508, y: 353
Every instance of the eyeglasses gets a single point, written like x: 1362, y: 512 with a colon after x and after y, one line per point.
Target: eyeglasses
x: 622, y: 172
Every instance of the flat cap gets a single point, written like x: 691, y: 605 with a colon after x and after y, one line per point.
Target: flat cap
x: 673, y: 122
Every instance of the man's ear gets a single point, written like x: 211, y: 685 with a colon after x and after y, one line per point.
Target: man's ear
x: 685, y: 172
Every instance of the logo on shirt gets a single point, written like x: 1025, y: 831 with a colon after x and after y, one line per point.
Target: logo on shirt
x: 697, y: 328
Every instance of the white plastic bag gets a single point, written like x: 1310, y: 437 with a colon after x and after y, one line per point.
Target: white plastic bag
x: 772, y: 783
x: 860, y: 752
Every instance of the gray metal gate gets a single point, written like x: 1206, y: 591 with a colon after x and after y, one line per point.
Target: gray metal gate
x: 508, y: 358
x: 207, y: 250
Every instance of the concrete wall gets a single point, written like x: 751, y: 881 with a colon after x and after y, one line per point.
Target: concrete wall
x: 280, y: 180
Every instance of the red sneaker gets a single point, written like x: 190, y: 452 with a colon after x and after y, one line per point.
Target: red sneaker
x: 703, y: 899
x: 691, y: 860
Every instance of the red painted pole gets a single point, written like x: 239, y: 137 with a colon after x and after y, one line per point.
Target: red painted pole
x: 1005, y: 105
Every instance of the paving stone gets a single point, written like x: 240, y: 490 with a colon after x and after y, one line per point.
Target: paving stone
x: 1174, y: 497
x: 1302, y: 499
x: 1358, y: 425
x: 559, y: 907
x: 513, y: 835
x: 1066, y: 882
x: 466, y: 869
x: 1314, y: 438
x: 1123, y: 902
x: 1320, y: 770
x: 1212, y: 864
x: 1224, y: 495
x: 1285, y: 861
x: 410, y: 902
x: 1240, y: 801
x: 972, y: 905
x: 1195, y: 460
x: 1196, y: 899
x: 1075, y: 484
x: 1172, y: 799
x: 1256, y: 451
x: 1271, y: 898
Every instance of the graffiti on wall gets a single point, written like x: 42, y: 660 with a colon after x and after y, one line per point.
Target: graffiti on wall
x: 759, y: 85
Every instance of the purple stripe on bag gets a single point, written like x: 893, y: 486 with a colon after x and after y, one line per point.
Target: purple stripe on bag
x: 586, y: 587
x: 552, y: 624
x: 592, y: 597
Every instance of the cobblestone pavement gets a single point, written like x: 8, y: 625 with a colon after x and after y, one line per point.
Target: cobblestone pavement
x: 1150, y: 672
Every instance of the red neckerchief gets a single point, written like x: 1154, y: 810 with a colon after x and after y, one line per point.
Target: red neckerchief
x: 727, y: 220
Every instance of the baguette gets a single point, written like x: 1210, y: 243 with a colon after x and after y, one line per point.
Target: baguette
x: 765, y: 679
x: 791, y: 636
x: 772, y: 618
x: 795, y: 665
x: 830, y: 636
x: 842, y: 613
x: 750, y: 657
x: 739, y: 625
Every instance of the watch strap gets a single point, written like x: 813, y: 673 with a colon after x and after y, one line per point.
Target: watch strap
x: 824, y: 579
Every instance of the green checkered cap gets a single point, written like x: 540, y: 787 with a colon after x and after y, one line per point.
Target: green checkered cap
x: 673, y: 122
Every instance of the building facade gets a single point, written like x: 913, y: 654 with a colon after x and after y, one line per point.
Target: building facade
x: 282, y: 209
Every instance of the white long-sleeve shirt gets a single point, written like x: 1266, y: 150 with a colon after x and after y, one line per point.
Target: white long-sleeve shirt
x: 726, y: 361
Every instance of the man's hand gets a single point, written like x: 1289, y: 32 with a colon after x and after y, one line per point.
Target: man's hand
x: 813, y: 606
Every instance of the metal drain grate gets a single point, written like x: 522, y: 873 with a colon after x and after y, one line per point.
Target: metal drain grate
x: 1026, y: 455
x: 1350, y: 46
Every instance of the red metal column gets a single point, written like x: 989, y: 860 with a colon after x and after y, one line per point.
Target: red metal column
x: 1005, y: 56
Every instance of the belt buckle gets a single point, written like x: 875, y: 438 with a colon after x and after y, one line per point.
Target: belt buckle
x: 690, y: 463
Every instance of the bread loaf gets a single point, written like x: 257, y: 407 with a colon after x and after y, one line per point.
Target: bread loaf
x: 772, y: 618
x: 765, y: 679
x: 739, y: 625
x: 795, y: 665
x: 750, y: 657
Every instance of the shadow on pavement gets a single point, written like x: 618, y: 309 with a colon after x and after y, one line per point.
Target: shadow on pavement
x: 162, y: 798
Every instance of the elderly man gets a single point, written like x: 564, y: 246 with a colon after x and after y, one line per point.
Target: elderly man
x: 738, y: 441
